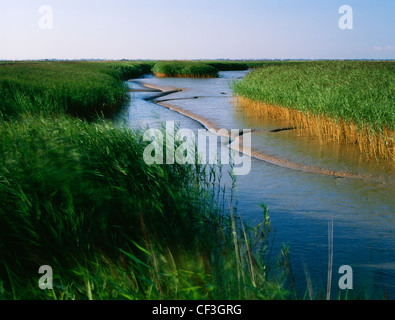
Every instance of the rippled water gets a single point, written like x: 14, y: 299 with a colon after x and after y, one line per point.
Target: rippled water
x: 302, y: 201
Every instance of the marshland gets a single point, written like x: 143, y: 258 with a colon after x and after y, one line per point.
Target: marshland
x: 77, y: 194
x: 342, y: 101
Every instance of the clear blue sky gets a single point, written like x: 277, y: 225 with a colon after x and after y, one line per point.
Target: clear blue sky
x: 189, y: 29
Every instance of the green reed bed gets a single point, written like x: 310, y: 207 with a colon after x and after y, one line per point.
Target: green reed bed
x: 79, y: 88
x: 129, y: 70
x: 78, y: 196
x: 263, y: 63
x: 345, y: 100
x: 359, y: 91
x: 238, y: 65
x: 227, y: 65
x: 184, y: 69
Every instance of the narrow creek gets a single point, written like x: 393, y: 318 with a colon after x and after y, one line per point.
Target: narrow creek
x: 305, y: 184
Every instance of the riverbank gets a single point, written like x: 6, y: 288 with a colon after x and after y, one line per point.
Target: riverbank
x: 255, y: 153
x: 341, y: 101
x: 83, y: 89
x: 184, y: 69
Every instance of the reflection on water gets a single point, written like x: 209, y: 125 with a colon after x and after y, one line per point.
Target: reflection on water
x: 301, y: 203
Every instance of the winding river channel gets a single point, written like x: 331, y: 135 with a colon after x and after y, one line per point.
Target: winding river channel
x: 306, y: 184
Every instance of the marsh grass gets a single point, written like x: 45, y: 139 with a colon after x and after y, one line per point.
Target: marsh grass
x: 253, y: 64
x: 77, y: 88
x: 184, y: 69
x: 78, y: 196
x: 342, y: 101
x: 227, y: 65
x: 372, y: 144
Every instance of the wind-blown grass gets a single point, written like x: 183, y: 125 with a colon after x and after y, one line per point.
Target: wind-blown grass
x: 346, y: 101
x: 78, y: 196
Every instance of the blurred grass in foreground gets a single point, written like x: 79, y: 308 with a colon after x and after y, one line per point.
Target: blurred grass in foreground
x: 79, y: 197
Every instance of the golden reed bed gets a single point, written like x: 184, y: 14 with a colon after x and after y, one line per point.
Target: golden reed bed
x: 372, y: 144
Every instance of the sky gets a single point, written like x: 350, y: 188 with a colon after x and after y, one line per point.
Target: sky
x: 191, y: 29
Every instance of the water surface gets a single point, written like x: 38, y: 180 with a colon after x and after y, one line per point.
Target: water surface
x: 302, y: 200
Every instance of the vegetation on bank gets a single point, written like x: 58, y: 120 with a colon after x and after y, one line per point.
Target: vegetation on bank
x: 184, y: 69
x: 78, y: 196
x: 263, y: 63
x: 209, y: 68
x: 228, y: 65
x: 77, y: 88
x: 238, y: 65
x: 345, y: 101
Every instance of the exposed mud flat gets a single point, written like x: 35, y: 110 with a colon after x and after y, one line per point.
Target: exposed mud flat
x: 258, y: 154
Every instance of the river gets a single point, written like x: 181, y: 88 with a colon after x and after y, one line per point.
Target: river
x: 306, y: 184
